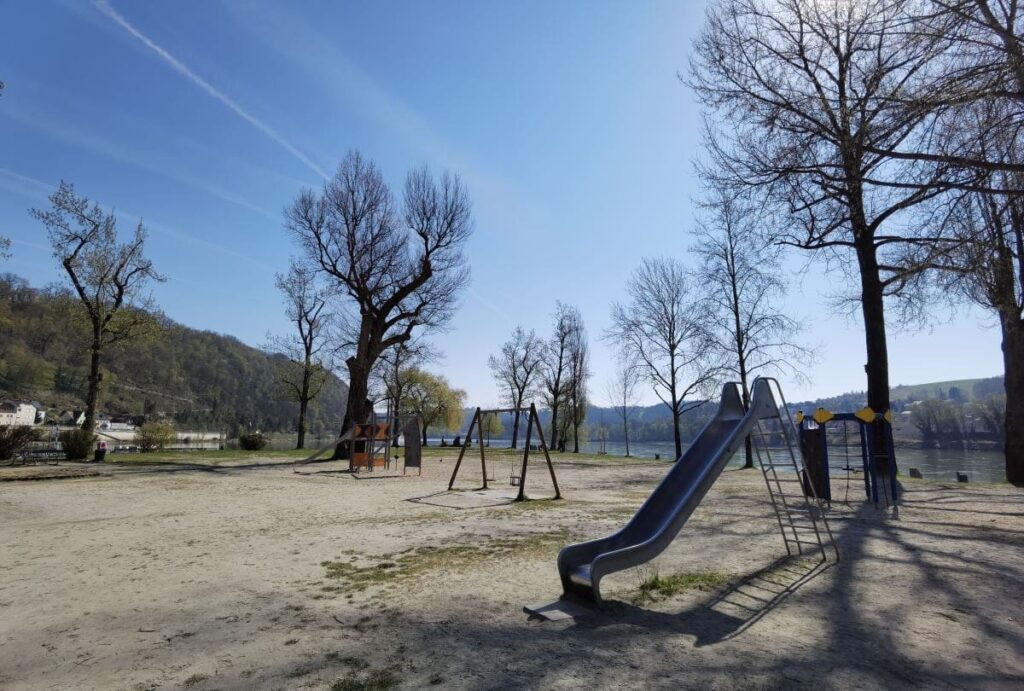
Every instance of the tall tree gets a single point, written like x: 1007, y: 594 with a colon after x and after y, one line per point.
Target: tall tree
x: 740, y: 276
x: 109, y: 278
x: 556, y: 362
x: 809, y: 100
x: 517, y: 370
x: 400, y: 271
x: 579, y: 375
x: 662, y: 330
x: 306, y: 306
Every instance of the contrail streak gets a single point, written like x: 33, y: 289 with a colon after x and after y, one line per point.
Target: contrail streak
x: 186, y: 72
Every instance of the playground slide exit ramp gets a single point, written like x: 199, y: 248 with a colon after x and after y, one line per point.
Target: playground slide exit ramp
x: 657, y: 522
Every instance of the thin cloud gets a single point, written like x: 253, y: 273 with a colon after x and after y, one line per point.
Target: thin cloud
x: 186, y: 72
x: 76, y: 136
x: 43, y: 189
x: 21, y: 182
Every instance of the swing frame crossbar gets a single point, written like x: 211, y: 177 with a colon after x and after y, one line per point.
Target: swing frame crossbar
x: 533, y: 423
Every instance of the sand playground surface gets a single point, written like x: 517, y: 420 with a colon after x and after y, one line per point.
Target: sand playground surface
x: 249, y: 575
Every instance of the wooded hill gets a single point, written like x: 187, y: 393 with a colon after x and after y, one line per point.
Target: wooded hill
x: 202, y: 379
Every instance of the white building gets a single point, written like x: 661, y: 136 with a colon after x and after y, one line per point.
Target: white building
x: 16, y: 413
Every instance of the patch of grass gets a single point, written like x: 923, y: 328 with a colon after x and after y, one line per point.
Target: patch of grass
x: 412, y: 563
x: 291, y: 641
x: 653, y: 586
x: 374, y: 680
x: 195, y: 679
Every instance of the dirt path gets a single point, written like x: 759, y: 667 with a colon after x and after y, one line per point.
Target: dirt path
x: 259, y: 577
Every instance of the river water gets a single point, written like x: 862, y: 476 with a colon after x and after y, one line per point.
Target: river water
x: 934, y: 464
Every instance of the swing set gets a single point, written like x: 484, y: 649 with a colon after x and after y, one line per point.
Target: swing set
x: 517, y: 457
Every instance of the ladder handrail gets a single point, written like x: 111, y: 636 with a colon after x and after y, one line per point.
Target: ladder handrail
x: 800, y: 468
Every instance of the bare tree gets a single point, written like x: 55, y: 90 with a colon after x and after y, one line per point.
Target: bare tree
x: 662, y: 331
x: 517, y: 370
x: 811, y: 99
x: 399, y: 271
x: 579, y: 375
x: 740, y: 277
x: 622, y: 395
x: 306, y: 304
x: 556, y: 362
x: 110, y: 279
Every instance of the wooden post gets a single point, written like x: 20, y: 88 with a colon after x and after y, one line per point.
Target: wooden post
x: 526, y: 456
x: 480, y: 434
x: 462, y: 451
x: 544, y: 446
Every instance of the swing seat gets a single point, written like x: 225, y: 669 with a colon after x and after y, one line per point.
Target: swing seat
x: 513, y: 480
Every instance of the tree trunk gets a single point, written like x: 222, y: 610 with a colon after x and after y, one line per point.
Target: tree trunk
x: 625, y: 433
x: 575, y: 429
x: 676, y: 434
x: 300, y: 443
x: 95, y: 378
x: 424, y: 440
x: 554, y: 425
x: 516, y: 404
x: 877, y: 367
x: 358, y: 408
x: 1013, y: 381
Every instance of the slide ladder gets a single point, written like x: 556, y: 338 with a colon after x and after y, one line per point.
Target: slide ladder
x: 798, y: 509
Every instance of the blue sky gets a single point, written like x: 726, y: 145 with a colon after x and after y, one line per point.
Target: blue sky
x: 566, y: 120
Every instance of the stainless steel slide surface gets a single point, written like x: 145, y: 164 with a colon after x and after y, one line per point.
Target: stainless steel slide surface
x: 659, y: 519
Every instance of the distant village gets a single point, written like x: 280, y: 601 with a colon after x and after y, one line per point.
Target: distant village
x: 118, y: 431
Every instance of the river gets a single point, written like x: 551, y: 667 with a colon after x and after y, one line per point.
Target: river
x: 934, y: 464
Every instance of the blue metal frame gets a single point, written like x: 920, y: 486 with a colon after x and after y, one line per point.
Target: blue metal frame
x: 868, y: 460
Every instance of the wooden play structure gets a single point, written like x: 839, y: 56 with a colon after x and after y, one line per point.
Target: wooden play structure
x: 517, y: 457
x: 371, y: 445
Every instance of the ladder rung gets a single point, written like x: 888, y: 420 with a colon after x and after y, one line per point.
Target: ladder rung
x: 782, y: 479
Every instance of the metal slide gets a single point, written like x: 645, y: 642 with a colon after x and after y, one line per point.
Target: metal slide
x: 656, y: 523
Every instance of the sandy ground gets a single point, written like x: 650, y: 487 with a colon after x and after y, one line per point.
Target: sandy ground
x: 254, y: 576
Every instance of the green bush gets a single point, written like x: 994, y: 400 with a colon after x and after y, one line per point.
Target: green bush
x: 14, y: 439
x: 252, y: 442
x: 77, y: 443
x: 154, y: 436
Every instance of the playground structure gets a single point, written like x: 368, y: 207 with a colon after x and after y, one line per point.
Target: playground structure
x: 824, y: 429
x: 372, y: 443
x: 516, y: 457
x: 371, y: 446
x: 799, y: 511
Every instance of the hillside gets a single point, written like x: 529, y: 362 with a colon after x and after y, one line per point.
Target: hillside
x: 202, y: 379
